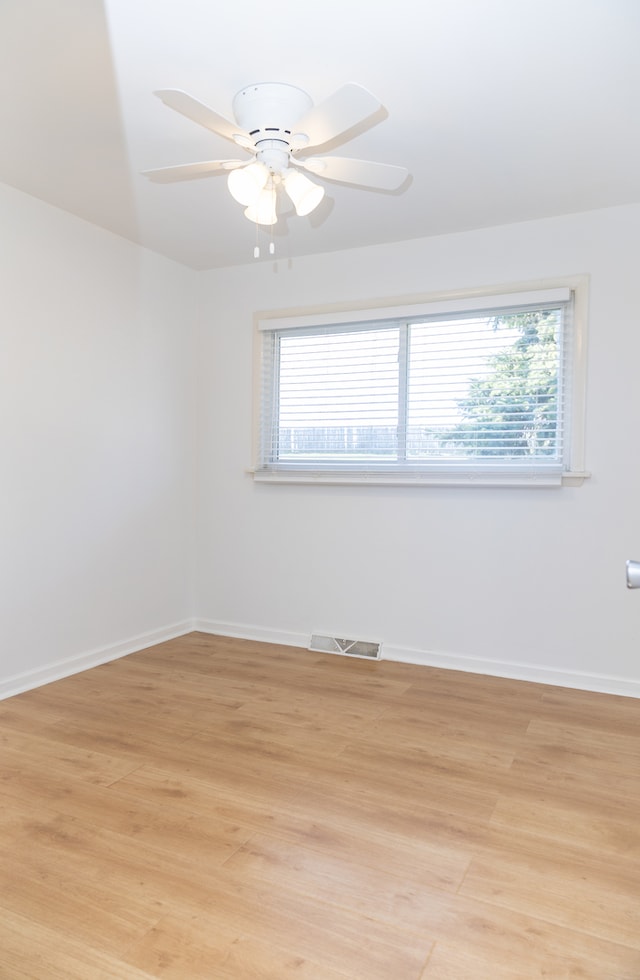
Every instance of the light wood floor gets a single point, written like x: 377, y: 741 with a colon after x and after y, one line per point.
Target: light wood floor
x: 216, y: 808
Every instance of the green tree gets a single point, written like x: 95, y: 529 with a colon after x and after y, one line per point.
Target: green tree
x: 512, y: 411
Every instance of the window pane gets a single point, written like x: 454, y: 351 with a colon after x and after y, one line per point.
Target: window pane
x: 338, y: 395
x: 484, y: 387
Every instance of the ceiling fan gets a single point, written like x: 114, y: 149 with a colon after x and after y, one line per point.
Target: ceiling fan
x: 277, y: 125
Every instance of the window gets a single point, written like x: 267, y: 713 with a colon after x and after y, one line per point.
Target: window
x: 475, y: 389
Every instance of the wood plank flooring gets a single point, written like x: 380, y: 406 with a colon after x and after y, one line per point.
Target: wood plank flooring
x: 218, y: 809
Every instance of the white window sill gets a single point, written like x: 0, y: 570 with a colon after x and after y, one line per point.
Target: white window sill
x: 443, y: 478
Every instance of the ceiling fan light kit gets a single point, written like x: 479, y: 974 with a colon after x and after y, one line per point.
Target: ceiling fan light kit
x: 246, y: 184
x: 263, y: 210
x: 276, y: 123
x: 304, y: 194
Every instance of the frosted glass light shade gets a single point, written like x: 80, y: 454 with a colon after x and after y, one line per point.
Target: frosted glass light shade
x: 246, y: 184
x: 263, y: 212
x: 303, y: 192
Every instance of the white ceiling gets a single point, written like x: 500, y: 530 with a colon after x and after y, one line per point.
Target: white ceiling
x: 502, y: 110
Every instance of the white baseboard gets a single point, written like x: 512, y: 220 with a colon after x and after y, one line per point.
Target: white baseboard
x: 599, y: 683
x: 262, y: 634
x: 73, y: 665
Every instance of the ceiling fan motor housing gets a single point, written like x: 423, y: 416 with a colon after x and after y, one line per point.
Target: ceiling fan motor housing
x: 268, y: 112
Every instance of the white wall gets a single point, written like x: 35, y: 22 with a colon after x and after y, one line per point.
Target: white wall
x: 97, y: 432
x: 531, y: 583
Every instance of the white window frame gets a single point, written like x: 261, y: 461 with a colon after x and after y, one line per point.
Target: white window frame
x: 508, y: 473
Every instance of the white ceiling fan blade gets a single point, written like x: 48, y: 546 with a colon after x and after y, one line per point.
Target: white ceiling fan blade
x: 347, y: 107
x: 199, y: 113
x: 190, y: 171
x: 383, y: 176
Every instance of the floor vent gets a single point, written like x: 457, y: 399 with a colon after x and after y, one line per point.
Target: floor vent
x: 348, y: 648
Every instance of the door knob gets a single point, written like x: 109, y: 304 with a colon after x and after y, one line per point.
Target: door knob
x: 633, y: 574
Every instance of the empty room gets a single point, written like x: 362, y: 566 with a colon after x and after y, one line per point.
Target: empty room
x: 320, y: 490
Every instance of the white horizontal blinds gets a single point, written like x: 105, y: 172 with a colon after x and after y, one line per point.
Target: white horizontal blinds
x: 484, y: 388
x: 479, y: 389
x: 338, y: 395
